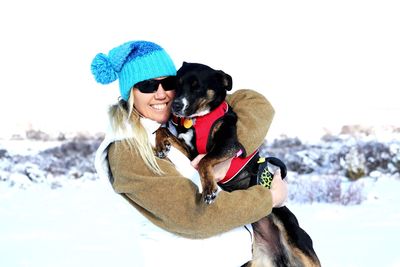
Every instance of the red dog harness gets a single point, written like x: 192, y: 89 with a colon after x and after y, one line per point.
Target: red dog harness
x: 203, y: 126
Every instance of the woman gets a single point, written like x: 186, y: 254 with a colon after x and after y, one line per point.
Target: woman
x: 175, y: 227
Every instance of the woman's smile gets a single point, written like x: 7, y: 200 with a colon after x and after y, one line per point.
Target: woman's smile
x: 159, y: 107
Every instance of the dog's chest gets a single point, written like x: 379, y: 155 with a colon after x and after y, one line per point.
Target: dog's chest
x: 183, y: 129
x: 188, y: 136
x: 196, y: 133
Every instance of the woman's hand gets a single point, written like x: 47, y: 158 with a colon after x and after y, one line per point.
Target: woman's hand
x: 196, y: 160
x: 278, y: 189
x: 220, y: 169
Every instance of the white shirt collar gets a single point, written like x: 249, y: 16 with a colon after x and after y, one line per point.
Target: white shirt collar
x: 150, y: 126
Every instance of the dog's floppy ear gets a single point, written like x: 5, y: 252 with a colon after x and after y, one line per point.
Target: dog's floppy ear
x: 225, y: 80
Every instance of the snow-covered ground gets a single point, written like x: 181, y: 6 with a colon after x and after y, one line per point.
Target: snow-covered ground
x: 85, y: 223
x: 82, y: 222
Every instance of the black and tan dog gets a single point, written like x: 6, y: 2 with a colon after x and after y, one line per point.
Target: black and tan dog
x: 206, y: 124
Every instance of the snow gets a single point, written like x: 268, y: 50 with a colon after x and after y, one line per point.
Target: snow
x: 82, y: 222
x: 85, y: 223
x: 358, y: 235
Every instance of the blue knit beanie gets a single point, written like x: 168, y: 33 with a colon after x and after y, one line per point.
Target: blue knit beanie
x: 132, y: 62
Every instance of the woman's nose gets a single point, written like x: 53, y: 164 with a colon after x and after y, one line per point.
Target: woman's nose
x: 160, y: 93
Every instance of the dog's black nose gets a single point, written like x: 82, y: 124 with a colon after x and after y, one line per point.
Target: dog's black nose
x: 177, y: 106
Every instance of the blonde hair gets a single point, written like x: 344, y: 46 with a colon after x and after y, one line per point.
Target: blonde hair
x: 125, y: 120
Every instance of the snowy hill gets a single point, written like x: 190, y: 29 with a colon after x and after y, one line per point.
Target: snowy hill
x: 328, y: 170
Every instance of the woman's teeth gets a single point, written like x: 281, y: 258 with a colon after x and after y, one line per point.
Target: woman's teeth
x: 159, y: 106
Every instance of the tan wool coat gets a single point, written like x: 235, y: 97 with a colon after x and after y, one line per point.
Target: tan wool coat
x: 174, y: 203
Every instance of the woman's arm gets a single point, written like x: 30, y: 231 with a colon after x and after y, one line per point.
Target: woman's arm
x: 173, y: 202
x: 255, y: 114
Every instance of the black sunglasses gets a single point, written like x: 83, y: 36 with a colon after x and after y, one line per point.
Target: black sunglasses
x: 151, y: 86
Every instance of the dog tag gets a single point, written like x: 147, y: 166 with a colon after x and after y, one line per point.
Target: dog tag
x: 187, y: 123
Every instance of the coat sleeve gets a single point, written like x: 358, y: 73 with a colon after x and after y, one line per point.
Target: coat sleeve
x: 254, y: 112
x: 174, y: 203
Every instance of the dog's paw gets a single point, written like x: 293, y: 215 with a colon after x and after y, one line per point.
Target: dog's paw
x: 210, y: 196
x: 163, y: 149
x: 163, y: 142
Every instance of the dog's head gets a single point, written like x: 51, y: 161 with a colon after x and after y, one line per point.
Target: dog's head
x: 200, y: 89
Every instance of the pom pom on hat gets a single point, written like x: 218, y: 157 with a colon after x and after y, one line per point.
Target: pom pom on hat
x: 102, y: 69
x: 132, y: 62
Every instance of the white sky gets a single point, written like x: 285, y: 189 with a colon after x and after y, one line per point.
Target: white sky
x: 320, y: 63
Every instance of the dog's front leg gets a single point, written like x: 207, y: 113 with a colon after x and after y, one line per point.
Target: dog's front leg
x: 164, y: 140
x: 208, y: 182
x: 208, y: 179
